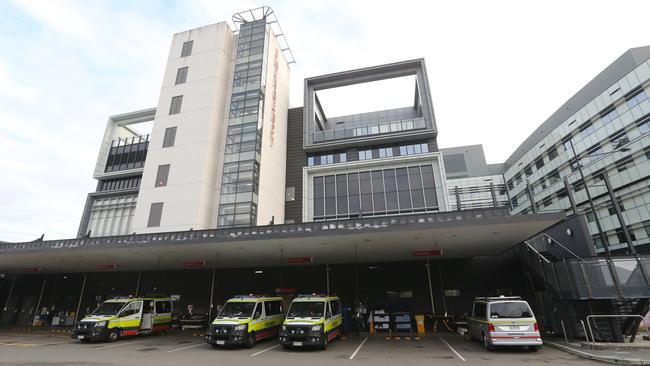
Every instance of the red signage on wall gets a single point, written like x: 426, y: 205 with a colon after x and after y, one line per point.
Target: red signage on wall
x: 427, y: 253
x: 194, y: 264
x: 286, y: 290
x: 33, y: 269
x: 300, y: 259
x: 108, y: 266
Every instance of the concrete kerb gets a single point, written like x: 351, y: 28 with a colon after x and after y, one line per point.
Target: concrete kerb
x: 592, y: 356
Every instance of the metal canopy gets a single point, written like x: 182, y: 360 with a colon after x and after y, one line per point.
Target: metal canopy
x: 265, y: 12
x: 452, y: 234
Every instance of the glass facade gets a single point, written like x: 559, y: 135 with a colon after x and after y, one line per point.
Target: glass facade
x: 374, y: 192
x: 239, y: 184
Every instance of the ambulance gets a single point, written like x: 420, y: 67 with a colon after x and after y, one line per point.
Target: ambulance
x: 312, y: 321
x: 246, y: 319
x: 125, y: 316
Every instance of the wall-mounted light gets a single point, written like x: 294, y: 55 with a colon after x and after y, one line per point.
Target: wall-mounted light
x: 569, y: 232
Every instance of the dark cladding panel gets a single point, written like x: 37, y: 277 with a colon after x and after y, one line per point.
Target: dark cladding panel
x: 296, y: 160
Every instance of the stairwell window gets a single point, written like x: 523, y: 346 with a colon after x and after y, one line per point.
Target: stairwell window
x: 155, y: 213
x: 175, y: 106
x: 162, y: 175
x: 187, y: 48
x: 181, y: 75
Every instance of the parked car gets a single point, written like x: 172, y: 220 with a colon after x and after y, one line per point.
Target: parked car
x: 504, y: 321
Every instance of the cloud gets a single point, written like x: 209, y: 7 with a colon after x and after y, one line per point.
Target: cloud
x: 497, y: 70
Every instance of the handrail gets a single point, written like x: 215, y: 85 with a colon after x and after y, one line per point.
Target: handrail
x: 586, y: 334
x: 564, y: 331
x: 563, y: 247
x: 613, y: 316
x: 536, y: 252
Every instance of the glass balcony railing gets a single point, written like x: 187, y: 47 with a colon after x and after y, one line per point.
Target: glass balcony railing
x: 369, y: 130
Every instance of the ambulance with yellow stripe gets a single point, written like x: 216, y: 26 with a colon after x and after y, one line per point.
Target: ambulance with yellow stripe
x: 246, y: 319
x: 504, y: 321
x: 122, y: 317
x: 312, y: 321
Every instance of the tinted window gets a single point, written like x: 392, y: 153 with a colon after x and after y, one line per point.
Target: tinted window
x: 273, y: 307
x: 170, y: 137
x: 336, y: 307
x: 162, y: 175
x: 236, y: 309
x: 181, y: 75
x: 187, y: 48
x: 155, y: 213
x: 306, y: 309
x: 515, y: 309
x: 163, y: 307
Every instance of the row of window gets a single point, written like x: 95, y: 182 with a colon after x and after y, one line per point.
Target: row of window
x: 239, y: 185
x: 126, y: 157
x: 118, y: 184
x: 367, y: 154
x: 384, y: 191
x: 607, y: 115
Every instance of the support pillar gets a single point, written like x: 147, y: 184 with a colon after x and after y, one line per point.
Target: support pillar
x: 137, y: 286
x: 211, y: 296
x: 327, y: 278
x: 81, y: 296
x: 433, y: 306
x: 572, y: 199
x: 11, y: 291
x: 40, y: 298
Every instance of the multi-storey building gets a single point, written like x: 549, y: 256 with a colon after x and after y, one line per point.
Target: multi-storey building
x: 256, y: 197
x: 600, y: 133
x: 218, y: 143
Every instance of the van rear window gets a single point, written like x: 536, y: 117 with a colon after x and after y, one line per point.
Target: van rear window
x: 510, y: 310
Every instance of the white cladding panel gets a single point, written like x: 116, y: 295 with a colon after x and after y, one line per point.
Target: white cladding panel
x: 274, y: 137
x: 191, y: 194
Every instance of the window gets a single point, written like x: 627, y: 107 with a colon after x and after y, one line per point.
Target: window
x: 586, y: 129
x: 273, y: 307
x: 170, y: 137
x: 132, y: 309
x: 552, y: 153
x: 624, y: 163
x: 187, y: 48
x: 618, y: 137
x: 258, y: 311
x: 290, y: 194
x: 163, y: 307
x: 644, y: 125
x: 612, y: 210
x: 341, y: 194
x: 567, y: 144
x: 162, y: 175
x: 609, y: 115
x: 547, y: 201
x: 647, y: 152
x: 336, y: 307
x: 620, y: 234
x: 343, y: 157
x: 365, y: 154
x: 310, y: 160
x: 637, y: 98
x: 385, y: 152
x: 181, y: 75
x: 539, y: 163
x: 554, y: 176
x: 528, y: 170
x: 518, y: 179
x: 155, y: 214
x: 175, y: 105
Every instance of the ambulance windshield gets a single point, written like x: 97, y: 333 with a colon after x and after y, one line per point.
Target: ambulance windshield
x: 108, y: 308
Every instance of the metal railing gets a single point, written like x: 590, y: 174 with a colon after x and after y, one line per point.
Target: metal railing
x: 259, y: 232
x: 369, y: 130
x: 589, y: 317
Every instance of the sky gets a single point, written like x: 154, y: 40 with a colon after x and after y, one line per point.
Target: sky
x: 497, y: 69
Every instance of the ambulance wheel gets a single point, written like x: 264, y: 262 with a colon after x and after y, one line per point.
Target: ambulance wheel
x: 250, y: 342
x: 113, y: 335
x: 324, y: 345
x: 287, y: 347
x: 534, y: 348
x: 486, y: 343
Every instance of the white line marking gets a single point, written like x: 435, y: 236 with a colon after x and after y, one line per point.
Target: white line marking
x: 592, y: 355
x: 264, y: 350
x: 120, y: 344
x: 358, y: 348
x: 192, y: 346
x: 452, y: 349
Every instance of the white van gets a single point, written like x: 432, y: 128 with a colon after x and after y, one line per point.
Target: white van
x: 504, y: 321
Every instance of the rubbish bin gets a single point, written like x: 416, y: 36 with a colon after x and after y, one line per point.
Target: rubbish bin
x: 419, y: 321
